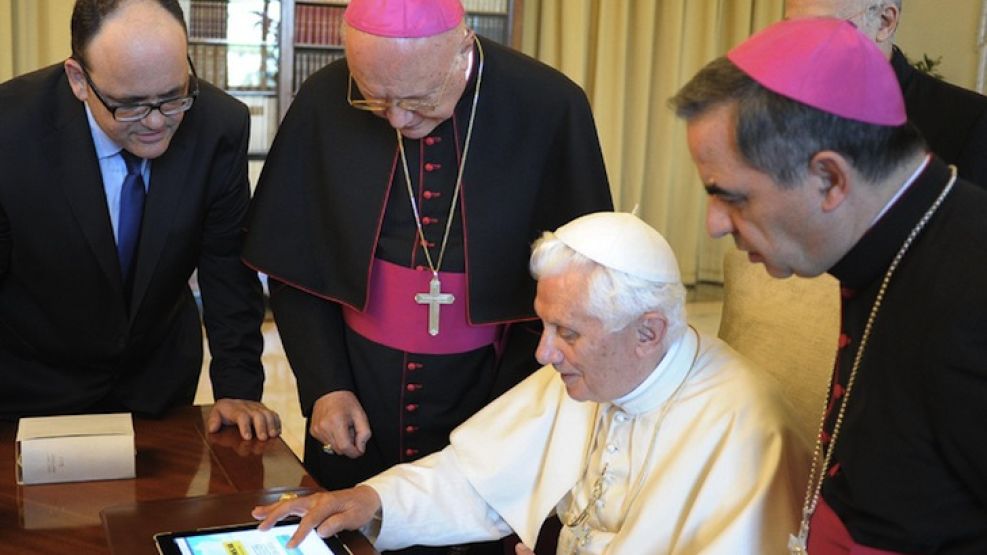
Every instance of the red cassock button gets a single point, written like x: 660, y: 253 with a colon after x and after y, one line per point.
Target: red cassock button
x: 844, y: 340
x: 430, y: 167
x: 411, y: 407
x: 414, y: 365
x: 838, y: 391
x: 432, y: 140
x: 410, y: 429
x: 410, y: 452
x: 413, y: 387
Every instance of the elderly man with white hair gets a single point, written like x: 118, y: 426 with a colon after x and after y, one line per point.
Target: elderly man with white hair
x: 641, y: 434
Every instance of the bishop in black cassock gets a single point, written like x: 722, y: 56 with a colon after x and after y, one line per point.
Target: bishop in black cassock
x: 332, y: 208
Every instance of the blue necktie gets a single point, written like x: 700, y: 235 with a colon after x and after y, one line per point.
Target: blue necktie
x: 131, y: 214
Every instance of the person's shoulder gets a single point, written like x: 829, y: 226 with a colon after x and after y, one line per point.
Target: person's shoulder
x: 325, y: 81
x: 918, y: 84
x: 33, y: 104
x: 530, y: 77
x: 30, y: 89
x: 964, y: 216
x: 739, y: 384
x: 219, y: 103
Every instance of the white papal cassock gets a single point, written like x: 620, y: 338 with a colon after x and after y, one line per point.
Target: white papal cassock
x: 700, y: 458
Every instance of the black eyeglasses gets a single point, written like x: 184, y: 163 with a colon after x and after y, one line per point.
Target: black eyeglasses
x: 137, y: 112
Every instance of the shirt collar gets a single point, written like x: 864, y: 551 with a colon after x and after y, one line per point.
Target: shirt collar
x: 665, y: 379
x: 105, y: 146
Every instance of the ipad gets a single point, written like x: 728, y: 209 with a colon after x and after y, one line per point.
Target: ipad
x: 246, y: 539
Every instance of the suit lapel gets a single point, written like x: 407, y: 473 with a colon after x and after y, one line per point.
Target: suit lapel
x: 164, y: 196
x: 75, y: 167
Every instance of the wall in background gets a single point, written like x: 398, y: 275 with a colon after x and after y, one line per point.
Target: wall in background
x: 33, y: 34
x: 948, y: 29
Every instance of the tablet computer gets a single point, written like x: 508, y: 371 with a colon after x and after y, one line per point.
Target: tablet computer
x: 246, y: 539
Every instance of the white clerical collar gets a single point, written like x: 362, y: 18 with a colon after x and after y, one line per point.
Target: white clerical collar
x: 903, y: 188
x: 665, y: 379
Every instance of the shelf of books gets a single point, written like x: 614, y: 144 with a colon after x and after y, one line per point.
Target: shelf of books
x: 315, y: 42
x: 261, y: 51
x: 490, y: 18
x: 234, y: 45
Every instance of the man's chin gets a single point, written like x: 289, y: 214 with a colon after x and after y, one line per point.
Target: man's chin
x: 771, y: 269
x: 150, y: 149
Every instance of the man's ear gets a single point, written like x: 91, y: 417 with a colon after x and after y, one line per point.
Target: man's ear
x: 835, y: 177
x: 888, y: 22
x: 651, y: 329
x: 76, y: 79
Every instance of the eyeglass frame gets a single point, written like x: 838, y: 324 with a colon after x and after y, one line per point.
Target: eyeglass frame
x: 187, y: 99
x: 406, y: 104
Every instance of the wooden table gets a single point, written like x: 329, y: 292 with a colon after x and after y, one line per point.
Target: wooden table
x: 176, y: 460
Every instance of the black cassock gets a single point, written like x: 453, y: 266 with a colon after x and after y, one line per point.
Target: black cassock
x: 912, y: 460
x: 332, y: 197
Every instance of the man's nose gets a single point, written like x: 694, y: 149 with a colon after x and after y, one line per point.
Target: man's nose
x: 718, y: 222
x: 154, y: 120
x: 398, y: 118
x: 547, y: 353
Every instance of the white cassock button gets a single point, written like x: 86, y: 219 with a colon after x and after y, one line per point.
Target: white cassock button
x: 611, y: 448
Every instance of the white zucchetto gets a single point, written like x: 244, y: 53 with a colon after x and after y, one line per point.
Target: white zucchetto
x: 623, y: 242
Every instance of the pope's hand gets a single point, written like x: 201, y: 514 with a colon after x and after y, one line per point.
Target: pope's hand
x: 326, y: 513
x: 338, y: 420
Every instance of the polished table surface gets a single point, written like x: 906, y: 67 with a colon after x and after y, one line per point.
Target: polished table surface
x: 176, y: 459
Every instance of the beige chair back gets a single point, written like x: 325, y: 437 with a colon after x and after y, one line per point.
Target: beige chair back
x: 788, y: 327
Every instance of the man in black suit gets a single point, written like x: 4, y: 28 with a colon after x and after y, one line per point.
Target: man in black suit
x: 952, y: 119
x: 122, y: 173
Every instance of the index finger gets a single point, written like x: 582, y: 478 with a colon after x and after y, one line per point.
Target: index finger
x: 306, y: 525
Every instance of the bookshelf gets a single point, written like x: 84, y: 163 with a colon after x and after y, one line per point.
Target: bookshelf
x: 261, y: 51
x: 314, y: 41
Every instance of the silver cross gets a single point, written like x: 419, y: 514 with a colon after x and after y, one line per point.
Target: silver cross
x: 433, y: 299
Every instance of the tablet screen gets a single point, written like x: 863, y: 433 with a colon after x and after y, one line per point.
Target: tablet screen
x: 245, y: 540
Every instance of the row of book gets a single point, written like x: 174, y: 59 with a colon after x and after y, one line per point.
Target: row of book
x: 208, y: 19
x: 308, y: 62
x: 263, y: 120
x: 318, y: 24
x: 210, y: 62
x: 493, y: 27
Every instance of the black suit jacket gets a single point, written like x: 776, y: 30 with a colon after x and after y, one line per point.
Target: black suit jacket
x: 69, y: 340
x: 952, y: 119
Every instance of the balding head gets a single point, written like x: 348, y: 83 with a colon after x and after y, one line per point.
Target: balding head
x: 126, y: 53
x: 878, y: 19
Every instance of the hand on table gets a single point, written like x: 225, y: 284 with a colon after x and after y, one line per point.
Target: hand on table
x: 251, y: 417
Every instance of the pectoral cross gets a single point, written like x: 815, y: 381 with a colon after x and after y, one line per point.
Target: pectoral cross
x: 433, y: 299
x: 797, y: 543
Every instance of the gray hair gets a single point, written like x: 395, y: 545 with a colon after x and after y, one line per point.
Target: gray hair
x: 779, y: 136
x: 614, y: 297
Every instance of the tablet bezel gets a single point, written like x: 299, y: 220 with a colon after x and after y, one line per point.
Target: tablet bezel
x: 165, y: 541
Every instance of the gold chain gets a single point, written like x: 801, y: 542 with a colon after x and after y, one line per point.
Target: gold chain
x: 817, y: 472
x: 459, y: 176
